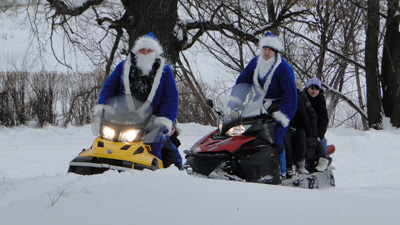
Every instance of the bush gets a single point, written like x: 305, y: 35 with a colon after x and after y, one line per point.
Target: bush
x: 12, y: 98
x: 61, y: 99
x: 47, y: 98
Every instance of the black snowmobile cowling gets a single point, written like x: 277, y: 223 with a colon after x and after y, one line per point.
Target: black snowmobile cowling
x: 241, y: 148
x: 123, y: 126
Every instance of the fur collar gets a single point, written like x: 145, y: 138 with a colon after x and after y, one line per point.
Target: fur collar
x: 156, y: 82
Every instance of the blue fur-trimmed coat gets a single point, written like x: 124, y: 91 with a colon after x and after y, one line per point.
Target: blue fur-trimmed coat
x: 163, y: 95
x: 279, y: 86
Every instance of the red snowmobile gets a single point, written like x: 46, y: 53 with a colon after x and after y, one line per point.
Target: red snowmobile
x: 241, y: 148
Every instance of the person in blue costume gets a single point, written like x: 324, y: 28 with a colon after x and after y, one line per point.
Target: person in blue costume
x: 146, y: 75
x: 275, y: 76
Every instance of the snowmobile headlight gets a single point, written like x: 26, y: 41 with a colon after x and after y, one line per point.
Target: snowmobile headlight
x: 129, y: 135
x: 237, y: 130
x: 108, y: 133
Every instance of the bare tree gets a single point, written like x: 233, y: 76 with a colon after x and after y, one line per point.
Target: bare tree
x: 326, y: 46
x: 137, y: 18
x: 374, y: 104
x: 321, y: 40
x: 349, y: 23
x: 391, y: 64
x: 233, y: 42
x: 233, y: 20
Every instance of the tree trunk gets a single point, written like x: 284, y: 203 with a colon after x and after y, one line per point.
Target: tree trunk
x: 374, y: 104
x: 360, y: 98
x: 334, y: 100
x: 158, y: 17
x: 391, y: 65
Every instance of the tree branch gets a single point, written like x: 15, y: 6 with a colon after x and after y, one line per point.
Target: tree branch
x: 62, y: 8
x: 327, y: 49
x: 343, y: 97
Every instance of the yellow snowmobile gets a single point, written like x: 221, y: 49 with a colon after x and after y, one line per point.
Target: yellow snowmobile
x: 123, y: 126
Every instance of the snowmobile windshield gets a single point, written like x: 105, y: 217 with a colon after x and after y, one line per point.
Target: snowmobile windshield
x: 123, y: 110
x: 126, y: 110
x: 124, y: 118
x: 242, y: 100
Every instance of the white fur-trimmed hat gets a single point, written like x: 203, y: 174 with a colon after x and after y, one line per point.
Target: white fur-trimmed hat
x: 147, y: 41
x: 270, y: 41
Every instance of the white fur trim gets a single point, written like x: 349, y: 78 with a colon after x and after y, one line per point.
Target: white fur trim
x: 257, y: 71
x: 282, y: 118
x: 156, y: 82
x: 164, y: 121
x: 125, y: 76
x: 147, y: 42
x: 272, y: 42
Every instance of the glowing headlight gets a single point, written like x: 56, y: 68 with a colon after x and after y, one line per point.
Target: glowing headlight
x: 108, y: 133
x: 237, y: 131
x: 129, y: 135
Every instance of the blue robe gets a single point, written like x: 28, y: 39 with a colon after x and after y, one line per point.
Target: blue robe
x: 163, y: 95
x: 279, y: 87
x: 165, y: 99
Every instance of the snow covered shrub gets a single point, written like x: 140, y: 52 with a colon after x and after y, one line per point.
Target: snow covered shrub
x: 13, y: 87
x: 42, y: 96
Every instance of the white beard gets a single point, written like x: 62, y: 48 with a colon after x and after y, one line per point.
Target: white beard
x: 145, y: 62
x: 265, y: 65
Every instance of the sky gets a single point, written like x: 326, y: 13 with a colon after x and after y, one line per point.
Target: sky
x: 35, y: 187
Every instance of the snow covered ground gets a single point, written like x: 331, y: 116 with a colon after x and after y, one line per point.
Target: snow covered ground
x: 36, y: 190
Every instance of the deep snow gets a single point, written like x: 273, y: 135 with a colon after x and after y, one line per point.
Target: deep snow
x: 35, y: 188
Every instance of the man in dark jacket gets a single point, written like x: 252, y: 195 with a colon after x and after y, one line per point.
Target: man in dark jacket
x: 316, y: 97
x: 302, y: 127
x: 169, y: 152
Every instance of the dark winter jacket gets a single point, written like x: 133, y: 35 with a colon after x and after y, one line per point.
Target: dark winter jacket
x: 305, y: 117
x: 319, y: 105
x: 174, y: 139
x: 170, y: 153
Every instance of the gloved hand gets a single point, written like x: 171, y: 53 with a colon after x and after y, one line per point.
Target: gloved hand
x: 273, y: 108
x: 165, y: 124
x: 275, y: 112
